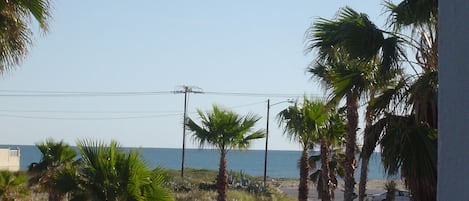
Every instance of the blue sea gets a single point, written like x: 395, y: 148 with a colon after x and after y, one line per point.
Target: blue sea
x: 281, y: 164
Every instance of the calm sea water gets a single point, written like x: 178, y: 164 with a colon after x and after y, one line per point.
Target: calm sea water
x: 281, y: 164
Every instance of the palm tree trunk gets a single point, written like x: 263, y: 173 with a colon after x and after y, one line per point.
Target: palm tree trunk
x: 304, y: 177
x: 54, y: 196
x: 350, y: 161
x: 363, y: 178
x: 333, y: 179
x: 364, y: 154
x: 222, y: 178
x: 326, y: 189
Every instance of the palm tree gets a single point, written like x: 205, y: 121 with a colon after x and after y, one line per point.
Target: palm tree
x: 57, y: 159
x: 355, y: 59
x: 408, y: 118
x: 350, y: 79
x: 332, y: 136
x: 403, y: 95
x: 332, y: 139
x: 109, y: 173
x: 336, y: 169
x: 13, y: 186
x: 224, y: 130
x: 303, y: 124
x: 15, y: 23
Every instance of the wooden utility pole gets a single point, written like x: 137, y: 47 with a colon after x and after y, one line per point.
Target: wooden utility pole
x: 266, y: 142
x: 186, y: 90
x: 267, y: 134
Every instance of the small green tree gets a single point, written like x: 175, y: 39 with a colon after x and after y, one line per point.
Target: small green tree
x: 110, y: 173
x: 224, y: 130
x: 54, y: 172
x: 13, y: 186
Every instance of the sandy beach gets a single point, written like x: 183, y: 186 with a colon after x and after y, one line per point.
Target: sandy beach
x: 290, y: 187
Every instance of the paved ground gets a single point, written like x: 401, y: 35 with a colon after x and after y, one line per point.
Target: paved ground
x: 291, y: 188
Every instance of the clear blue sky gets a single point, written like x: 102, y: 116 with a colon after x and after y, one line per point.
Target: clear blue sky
x: 134, y: 46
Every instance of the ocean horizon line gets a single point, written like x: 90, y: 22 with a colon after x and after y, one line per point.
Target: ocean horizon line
x: 281, y: 163
x: 190, y: 148
x: 149, y: 147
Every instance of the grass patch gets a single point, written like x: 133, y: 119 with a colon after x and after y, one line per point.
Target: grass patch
x: 197, y: 182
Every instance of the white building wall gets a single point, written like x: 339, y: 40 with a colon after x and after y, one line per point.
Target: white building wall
x: 10, y: 159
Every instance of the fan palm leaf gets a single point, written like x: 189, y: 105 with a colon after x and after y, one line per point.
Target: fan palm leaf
x: 354, y: 34
x: 16, y: 34
x: 411, y: 147
x: 110, y: 173
x: 412, y: 12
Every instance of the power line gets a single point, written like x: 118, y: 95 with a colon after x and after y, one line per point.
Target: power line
x: 46, y: 93
x: 88, y: 112
x: 264, y: 95
x: 248, y: 104
x: 88, y: 118
x: 30, y: 93
x: 162, y: 113
x: 251, y: 94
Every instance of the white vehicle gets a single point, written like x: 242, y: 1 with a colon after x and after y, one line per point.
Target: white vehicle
x: 400, y: 196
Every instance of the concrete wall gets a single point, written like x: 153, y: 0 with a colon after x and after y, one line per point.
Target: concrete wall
x: 10, y: 159
x: 453, y: 139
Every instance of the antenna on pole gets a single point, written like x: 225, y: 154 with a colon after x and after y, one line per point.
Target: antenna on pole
x: 186, y: 90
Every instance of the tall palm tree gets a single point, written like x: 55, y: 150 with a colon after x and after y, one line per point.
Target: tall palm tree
x: 225, y: 130
x: 408, y: 118
x: 13, y: 186
x: 110, y: 173
x: 15, y: 33
x: 303, y: 124
x: 57, y: 159
x: 348, y: 79
x: 370, y: 57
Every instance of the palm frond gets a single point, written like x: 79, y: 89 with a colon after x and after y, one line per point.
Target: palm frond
x: 114, y: 174
x: 388, y: 98
x: 372, y: 137
x: 16, y: 35
x: 423, y: 96
x: 225, y: 129
x: 391, y: 54
x: 302, y: 123
x: 412, y: 12
x: 39, y: 9
x: 200, y: 134
x: 314, y: 177
x: 352, y: 31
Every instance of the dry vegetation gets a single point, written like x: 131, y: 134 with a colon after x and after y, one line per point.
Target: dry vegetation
x: 199, y: 185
